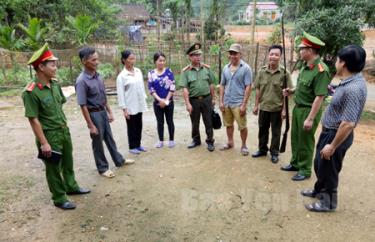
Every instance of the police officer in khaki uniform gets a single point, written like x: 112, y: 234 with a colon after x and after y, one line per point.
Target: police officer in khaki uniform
x: 309, y: 94
x: 43, y: 99
x: 197, y: 81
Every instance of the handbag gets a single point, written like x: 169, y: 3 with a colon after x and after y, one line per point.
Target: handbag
x: 216, y: 120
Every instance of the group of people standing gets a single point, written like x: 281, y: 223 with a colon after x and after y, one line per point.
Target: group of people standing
x: 43, y: 107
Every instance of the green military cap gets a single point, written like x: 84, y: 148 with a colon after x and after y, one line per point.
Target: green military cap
x: 41, y: 55
x: 194, y: 49
x: 307, y: 40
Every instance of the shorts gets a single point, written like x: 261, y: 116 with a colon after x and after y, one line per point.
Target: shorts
x: 231, y: 114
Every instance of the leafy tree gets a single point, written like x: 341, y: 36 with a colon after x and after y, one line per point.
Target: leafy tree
x: 364, y: 9
x: 336, y: 27
x: 276, y: 36
x: 83, y: 26
x: 35, y: 33
x: 9, y: 40
x: 213, y: 28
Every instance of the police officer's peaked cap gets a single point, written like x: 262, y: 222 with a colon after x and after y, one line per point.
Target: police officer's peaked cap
x: 43, y: 54
x: 194, y: 49
x: 310, y: 41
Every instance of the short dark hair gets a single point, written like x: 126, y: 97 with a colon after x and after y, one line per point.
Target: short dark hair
x: 354, y: 57
x: 157, y: 56
x: 86, y: 52
x: 125, y: 55
x: 275, y: 47
x: 36, y: 68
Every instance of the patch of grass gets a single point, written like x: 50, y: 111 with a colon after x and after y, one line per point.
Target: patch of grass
x: 367, y: 115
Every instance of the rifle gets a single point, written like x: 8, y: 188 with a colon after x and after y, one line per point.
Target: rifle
x: 285, y: 85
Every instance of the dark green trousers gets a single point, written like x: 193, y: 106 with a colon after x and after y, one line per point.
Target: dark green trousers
x: 60, y: 176
x: 202, y: 106
x: 303, y: 141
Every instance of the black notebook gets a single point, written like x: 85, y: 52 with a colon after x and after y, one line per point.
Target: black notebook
x: 54, y: 158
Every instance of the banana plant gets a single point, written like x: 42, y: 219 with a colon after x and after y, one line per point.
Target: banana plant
x: 9, y: 40
x: 35, y: 33
x: 83, y: 26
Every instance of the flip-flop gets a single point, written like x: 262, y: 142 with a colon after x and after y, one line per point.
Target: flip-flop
x: 108, y: 174
x: 226, y: 147
x: 244, y: 151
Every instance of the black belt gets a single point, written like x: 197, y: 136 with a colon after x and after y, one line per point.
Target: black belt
x: 95, y: 109
x: 200, y: 97
x: 324, y: 129
x: 302, y: 106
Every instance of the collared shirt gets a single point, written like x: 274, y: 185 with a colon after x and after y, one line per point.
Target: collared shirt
x: 270, y: 85
x: 45, y: 104
x: 90, y: 90
x: 161, y: 84
x: 312, y: 81
x: 235, y: 83
x: 197, y: 81
x: 347, y: 102
x: 131, y: 91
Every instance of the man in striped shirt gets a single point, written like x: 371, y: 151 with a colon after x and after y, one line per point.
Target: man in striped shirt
x: 339, y: 121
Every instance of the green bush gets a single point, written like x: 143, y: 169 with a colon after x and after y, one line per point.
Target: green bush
x: 107, y: 71
x: 15, y: 77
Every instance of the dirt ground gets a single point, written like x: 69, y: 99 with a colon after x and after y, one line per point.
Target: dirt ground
x: 176, y: 194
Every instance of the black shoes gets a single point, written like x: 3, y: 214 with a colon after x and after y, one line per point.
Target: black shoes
x: 319, y: 207
x: 299, y: 177
x: 193, y: 145
x: 288, y: 168
x: 79, y: 191
x: 258, y: 154
x: 66, y: 205
x: 274, y: 158
x: 210, y: 147
x: 309, y: 193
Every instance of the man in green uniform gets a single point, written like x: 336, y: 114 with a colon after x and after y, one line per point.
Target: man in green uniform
x: 197, y: 81
x: 309, y: 94
x: 43, y: 99
x: 269, y: 103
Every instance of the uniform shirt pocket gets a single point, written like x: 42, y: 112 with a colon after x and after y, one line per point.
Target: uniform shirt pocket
x: 306, y: 81
x: 47, y: 102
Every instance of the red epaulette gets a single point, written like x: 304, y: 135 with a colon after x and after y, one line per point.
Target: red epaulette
x: 30, y: 87
x: 321, y: 68
x: 40, y: 86
x: 186, y: 68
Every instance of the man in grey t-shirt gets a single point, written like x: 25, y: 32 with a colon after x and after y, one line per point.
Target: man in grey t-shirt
x: 235, y: 89
x: 96, y: 111
x: 339, y: 121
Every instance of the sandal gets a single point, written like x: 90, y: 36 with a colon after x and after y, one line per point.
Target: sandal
x: 244, y: 151
x: 226, y: 147
x: 108, y: 174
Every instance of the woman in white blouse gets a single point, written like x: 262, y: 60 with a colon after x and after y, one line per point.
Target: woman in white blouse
x: 132, y: 100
